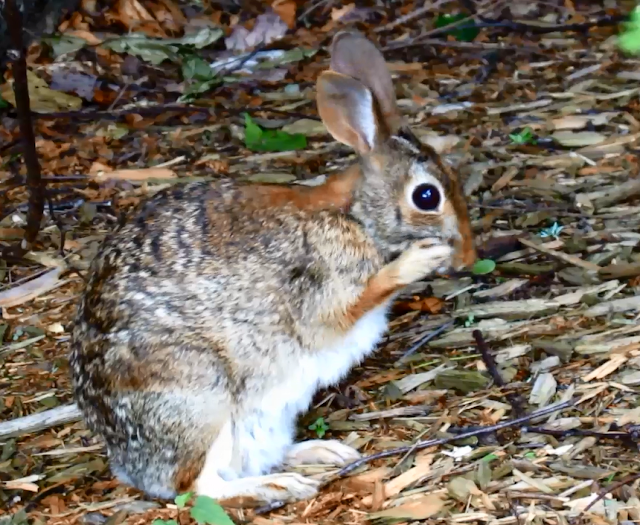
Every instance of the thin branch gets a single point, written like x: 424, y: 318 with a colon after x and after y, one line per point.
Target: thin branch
x: 607, y: 490
x: 514, y: 400
x: 420, y: 445
x: 416, y: 13
x: 425, y: 339
x: 160, y: 109
x: 13, y: 18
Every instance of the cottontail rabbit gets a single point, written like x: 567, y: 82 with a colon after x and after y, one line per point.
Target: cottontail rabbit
x: 212, y: 318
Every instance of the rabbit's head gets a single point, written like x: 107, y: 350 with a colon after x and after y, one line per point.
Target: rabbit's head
x: 407, y: 193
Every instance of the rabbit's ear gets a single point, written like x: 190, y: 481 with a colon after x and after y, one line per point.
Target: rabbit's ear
x: 347, y: 109
x: 352, y: 54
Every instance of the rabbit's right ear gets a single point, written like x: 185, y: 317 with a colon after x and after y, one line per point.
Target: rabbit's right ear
x: 354, y: 55
x: 347, y: 109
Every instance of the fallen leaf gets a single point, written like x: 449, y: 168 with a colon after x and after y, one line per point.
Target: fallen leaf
x: 137, y: 175
x: 307, y: 127
x: 433, y: 305
x: 42, y: 98
x: 286, y: 9
x: 268, y: 28
x: 31, y: 289
x: 419, y: 509
x: 579, y: 139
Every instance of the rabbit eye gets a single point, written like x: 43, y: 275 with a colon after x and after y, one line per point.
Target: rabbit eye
x: 426, y: 197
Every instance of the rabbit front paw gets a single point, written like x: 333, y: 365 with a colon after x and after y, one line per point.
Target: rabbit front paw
x: 422, y: 259
x: 321, y: 452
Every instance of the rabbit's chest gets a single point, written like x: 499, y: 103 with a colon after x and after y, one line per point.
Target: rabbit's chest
x: 308, y: 373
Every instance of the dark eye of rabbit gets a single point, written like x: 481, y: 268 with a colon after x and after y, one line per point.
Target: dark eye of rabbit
x: 426, y: 197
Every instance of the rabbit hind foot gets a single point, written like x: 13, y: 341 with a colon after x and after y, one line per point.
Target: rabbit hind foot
x: 321, y: 452
x: 257, y: 490
x: 221, y: 480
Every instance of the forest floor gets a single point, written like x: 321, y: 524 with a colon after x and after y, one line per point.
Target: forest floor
x: 540, y: 114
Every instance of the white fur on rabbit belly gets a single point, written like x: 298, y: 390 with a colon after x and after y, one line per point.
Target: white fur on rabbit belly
x: 310, y: 373
x: 264, y: 437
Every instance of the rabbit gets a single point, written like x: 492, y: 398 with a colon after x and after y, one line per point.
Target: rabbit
x: 212, y: 317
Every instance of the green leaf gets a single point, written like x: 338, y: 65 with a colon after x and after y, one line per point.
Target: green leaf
x: 3, y: 103
x: 194, y: 67
x: 319, y: 426
x: 465, y: 32
x: 252, y: 132
x: 154, y: 51
x: 258, y: 139
x: 182, y: 499
x: 62, y: 44
x: 629, y: 40
x: 293, y: 55
x: 483, y: 266
x: 526, y: 136
x: 206, y: 511
x: 158, y: 521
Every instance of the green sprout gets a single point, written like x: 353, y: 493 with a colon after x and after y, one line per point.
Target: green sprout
x: 526, y: 136
x: 319, y: 426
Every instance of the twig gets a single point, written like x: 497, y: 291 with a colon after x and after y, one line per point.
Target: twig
x: 578, y: 432
x: 40, y: 421
x: 417, y: 13
x: 605, y: 21
x: 514, y: 400
x: 565, y: 257
x: 311, y: 9
x: 443, y: 441
x: 425, y: 339
x: 160, y: 109
x: 13, y: 19
x: 420, y: 445
x: 463, y: 45
x: 606, y: 490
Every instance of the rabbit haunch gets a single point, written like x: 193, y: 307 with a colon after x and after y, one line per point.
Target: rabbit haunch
x: 211, y: 318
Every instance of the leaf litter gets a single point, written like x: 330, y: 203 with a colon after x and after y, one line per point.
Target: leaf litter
x: 541, y: 121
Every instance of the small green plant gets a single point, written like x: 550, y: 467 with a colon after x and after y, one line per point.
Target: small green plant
x: 182, y: 499
x: 469, y: 321
x: 483, y: 266
x: 552, y: 231
x: 319, y: 426
x: 629, y: 40
x: 205, y: 510
x: 258, y: 139
x: 525, y: 136
x: 465, y: 32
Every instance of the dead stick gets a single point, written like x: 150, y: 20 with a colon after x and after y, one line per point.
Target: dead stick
x: 606, y: 490
x: 443, y: 441
x: 13, y: 19
x: 490, y: 363
x: 420, y: 445
x: 565, y: 257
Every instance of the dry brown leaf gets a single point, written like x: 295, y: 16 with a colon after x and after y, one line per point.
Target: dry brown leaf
x: 419, y: 509
x: 433, y: 305
x: 338, y: 12
x: 286, y: 10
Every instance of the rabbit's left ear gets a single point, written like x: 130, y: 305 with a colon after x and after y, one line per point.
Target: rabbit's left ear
x: 354, y: 55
